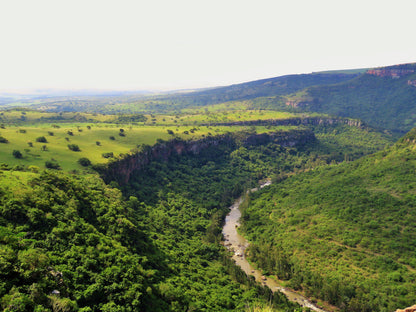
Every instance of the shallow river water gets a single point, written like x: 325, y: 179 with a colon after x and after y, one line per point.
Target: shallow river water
x: 237, y: 243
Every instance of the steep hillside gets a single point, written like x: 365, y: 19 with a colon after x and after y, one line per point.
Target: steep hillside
x: 382, y: 97
x: 343, y: 233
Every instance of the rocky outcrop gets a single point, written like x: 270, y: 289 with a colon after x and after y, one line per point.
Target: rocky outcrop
x: 299, y: 103
x: 122, y: 169
x: 392, y: 73
x: 411, y: 83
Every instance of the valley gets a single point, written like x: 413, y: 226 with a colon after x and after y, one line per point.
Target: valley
x: 119, y: 202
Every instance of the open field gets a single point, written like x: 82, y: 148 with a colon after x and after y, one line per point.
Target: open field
x: 93, y: 141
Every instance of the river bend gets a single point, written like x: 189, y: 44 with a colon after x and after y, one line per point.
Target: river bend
x: 238, y: 244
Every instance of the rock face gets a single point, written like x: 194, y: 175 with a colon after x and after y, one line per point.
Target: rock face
x: 122, y: 169
x: 409, y: 309
x: 393, y: 73
x: 411, y: 83
x: 297, y: 121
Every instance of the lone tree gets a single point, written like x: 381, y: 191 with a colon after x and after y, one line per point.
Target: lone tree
x: 74, y: 147
x: 17, y: 154
x: 3, y: 140
x: 84, y: 161
x: 52, y: 164
x: 41, y: 139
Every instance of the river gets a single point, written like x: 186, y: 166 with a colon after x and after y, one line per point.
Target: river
x: 238, y: 244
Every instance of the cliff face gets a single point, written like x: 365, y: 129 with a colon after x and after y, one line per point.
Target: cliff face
x: 297, y: 121
x: 122, y: 169
x: 392, y: 73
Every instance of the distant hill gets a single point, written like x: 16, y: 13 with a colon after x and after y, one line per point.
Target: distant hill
x: 260, y: 88
x: 343, y: 233
x: 383, y: 97
x: 130, y: 102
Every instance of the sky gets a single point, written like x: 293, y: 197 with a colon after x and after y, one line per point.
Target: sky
x: 180, y: 44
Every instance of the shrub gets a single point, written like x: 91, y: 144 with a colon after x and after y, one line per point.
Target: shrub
x: 98, y: 143
x: 17, y: 154
x: 112, y: 138
x: 51, y: 164
x: 50, y: 133
x: 3, y: 140
x: 121, y: 134
x: 107, y: 155
x: 30, y: 144
x: 84, y: 161
x: 22, y: 130
x: 41, y: 139
x: 69, y: 132
x: 34, y: 169
x: 74, y: 147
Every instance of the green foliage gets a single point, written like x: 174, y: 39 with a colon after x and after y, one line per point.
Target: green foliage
x: 51, y: 164
x: 41, y: 139
x: 3, y: 140
x: 74, y: 147
x: 73, y: 236
x: 107, y: 155
x: 83, y: 161
x: 17, y: 154
x: 342, y: 233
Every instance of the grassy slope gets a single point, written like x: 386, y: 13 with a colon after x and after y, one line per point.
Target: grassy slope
x: 346, y: 230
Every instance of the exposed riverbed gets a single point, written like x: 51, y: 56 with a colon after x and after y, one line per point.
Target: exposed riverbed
x: 238, y: 244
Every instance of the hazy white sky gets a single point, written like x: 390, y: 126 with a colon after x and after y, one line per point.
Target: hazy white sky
x: 170, y: 44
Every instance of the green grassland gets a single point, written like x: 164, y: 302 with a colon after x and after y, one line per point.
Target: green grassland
x: 96, y: 135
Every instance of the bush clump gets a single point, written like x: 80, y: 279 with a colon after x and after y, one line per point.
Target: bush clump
x: 52, y: 164
x: 74, y: 147
x: 107, y: 155
x: 3, y: 140
x: 84, y: 161
x: 17, y: 154
x: 41, y: 139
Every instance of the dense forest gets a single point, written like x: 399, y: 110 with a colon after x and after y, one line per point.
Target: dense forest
x: 355, y: 218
